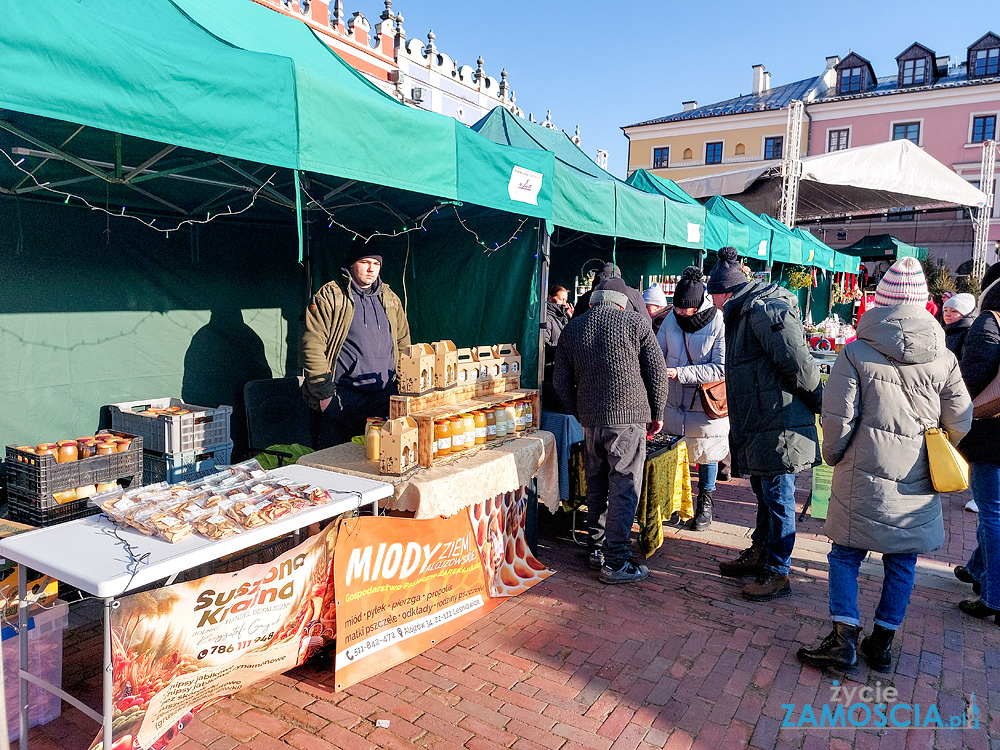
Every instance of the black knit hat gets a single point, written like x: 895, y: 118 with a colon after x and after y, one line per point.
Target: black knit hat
x: 690, y: 291
x: 727, y: 275
x: 358, y: 250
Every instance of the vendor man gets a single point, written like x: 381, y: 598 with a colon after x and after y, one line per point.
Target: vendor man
x: 353, y: 332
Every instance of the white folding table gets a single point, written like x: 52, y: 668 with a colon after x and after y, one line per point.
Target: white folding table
x: 89, y: 553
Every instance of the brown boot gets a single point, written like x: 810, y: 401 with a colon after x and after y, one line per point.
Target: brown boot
x: 769, y: 585
x: 748, y: 563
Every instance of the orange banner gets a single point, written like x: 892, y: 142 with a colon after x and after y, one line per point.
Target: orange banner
x: 403, y: 585
x: 177, y: 649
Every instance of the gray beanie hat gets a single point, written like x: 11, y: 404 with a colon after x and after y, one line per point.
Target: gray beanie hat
x: 963, y: 303
x: 608, y: 296
x: 727, y: 275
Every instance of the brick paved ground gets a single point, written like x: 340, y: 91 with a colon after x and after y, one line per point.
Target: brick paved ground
x: 679, y: 661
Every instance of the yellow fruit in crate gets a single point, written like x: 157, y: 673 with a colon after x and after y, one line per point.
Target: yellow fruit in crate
x: 105, y: 486
x: 86, y: 491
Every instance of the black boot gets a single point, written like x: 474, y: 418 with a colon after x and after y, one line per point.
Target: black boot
x: 875, y: 648
x: 839, y: 650
x: 703, y: 512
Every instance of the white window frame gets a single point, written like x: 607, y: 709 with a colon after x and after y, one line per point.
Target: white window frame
x: 704, y: 154
x: 652, y: 156
x: 909, y: 121
x: 850, y: 136
x: 972, y: 119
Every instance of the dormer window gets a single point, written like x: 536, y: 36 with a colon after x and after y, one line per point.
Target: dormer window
x: 851, y: 80
x: 986, y: 62
x: 914, y: 72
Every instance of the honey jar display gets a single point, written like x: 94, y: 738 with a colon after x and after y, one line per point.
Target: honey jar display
x: 491, y: 424
x: 67, y: 451
x: 469, y: 428
x: 442, y: 435
x: 479, y: 419
x: 457, y: 430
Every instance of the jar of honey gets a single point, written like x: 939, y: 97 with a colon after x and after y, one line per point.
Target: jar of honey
x: 44, y: 449
x: 501, y: 420
x: 86, y: 448
x: 529, y: 414
x: 511, y: 411
x: 469, y: 426
x: 105, y: 448
x: 67, y: 451
x: 491, y: 424
x: 373, y: 437
x: 457, y: 430
x: 122, y: 444
x: 480, y: 420
x: 443, y: 437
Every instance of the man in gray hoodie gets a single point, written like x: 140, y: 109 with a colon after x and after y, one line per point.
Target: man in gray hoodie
x: 610, y: 372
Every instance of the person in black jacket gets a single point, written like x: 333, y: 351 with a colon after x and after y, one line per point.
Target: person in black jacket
x: 959, y: 312
x: 980, y: 365
x: 610, y: 277
x: 557, y: 314
x: 774, y: 393
x: 610, y: 372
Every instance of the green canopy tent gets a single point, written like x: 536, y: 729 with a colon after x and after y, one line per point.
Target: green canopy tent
x: 596, y: 216
x: 883, y: 247
x: 719, y: 231
x: 159, y: 156
x: 786, y: 246
x: 759, y: 234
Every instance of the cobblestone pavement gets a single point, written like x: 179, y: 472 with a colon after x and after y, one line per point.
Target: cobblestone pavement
x: 678, y: 661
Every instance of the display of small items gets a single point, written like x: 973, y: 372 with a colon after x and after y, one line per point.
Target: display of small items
x: 462, y: 432
x: 440, y: 366
x: 64, y: 451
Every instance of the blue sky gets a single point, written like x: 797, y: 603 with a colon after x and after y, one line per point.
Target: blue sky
x: 601, y: 65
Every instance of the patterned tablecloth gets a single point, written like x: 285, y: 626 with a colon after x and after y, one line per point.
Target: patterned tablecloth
x: 666, y: 488
x: 446, y: 489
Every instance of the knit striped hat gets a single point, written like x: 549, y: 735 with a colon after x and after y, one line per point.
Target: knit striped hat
x: 903, y: 284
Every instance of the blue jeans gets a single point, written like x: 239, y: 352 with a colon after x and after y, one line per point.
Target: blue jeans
x: 845, y: 562
x: 707, y: 474
x: 984, y: 565
x: 775, y: 530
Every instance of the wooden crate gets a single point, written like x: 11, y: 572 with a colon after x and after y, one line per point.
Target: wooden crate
x: 402, y: 406
x: 425, y: 419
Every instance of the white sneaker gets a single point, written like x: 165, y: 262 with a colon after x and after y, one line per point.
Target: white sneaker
x: 971, y: 505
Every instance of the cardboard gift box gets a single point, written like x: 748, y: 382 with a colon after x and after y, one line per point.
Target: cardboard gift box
x: 398, y: 446
x: 445, y: 365
x: 416, y: 370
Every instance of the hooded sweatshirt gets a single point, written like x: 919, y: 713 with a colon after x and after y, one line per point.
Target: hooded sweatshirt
x: 882, y: 498
x: 367, y: 361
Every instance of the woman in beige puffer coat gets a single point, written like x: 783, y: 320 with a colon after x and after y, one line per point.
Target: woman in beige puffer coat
x: 884, y: 390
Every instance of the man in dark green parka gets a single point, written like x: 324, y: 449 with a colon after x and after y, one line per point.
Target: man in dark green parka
x: 774, y: 394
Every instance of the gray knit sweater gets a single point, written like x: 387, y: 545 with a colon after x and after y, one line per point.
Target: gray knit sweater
x: 609, y: 369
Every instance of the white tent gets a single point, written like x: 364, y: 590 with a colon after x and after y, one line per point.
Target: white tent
x: 863, y: 180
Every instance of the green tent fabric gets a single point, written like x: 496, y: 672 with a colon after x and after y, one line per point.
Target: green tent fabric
x: 786, y: 247
x: 818, y: 253
x: 237, y: 79
x: 759, y: 234
x: 719, y: 231
x: 882, y: 247
x: 589, y: 199
x: 844, y: 263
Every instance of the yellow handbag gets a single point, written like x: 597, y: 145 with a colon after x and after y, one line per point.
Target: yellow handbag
x: 949, y: 470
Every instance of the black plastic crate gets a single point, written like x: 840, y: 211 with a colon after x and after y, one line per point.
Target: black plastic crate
x: 22, y: 510
x: 35, y: 478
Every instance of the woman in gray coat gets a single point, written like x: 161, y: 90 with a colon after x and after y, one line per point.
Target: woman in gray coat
x: 884, y: 390
x: 692, y: 337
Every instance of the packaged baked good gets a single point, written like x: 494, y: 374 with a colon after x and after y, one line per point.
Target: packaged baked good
x: 169, y: 527
x: 217, y: 526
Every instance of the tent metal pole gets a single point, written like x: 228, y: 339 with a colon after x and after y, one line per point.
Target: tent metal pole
x: 298, y: 212
x: 543, y: 290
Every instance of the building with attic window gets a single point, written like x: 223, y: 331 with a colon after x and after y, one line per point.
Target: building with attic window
x: 947, y: 106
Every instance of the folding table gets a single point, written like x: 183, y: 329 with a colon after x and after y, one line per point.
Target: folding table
x: 90, y: 553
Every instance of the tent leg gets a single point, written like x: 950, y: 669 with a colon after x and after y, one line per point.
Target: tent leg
x: 543, y: 291
x: 298, y: 212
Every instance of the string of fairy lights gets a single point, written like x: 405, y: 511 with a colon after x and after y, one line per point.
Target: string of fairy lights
x: 418, y: 224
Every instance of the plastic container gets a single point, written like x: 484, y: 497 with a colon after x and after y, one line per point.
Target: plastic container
x: 45, y: 642
x: 184, y: 467
x: 24, y: 511
x: 36, y: 478
x: 203, y: 427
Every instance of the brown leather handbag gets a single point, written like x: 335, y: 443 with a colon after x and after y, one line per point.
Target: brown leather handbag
x: 712, y: 395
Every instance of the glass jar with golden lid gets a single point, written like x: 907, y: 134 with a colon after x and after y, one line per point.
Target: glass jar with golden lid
x: 480, y: 421
x: 442, y: 435
x: 491, y: 423
x: 469, y: 425
x: 457, y: 430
